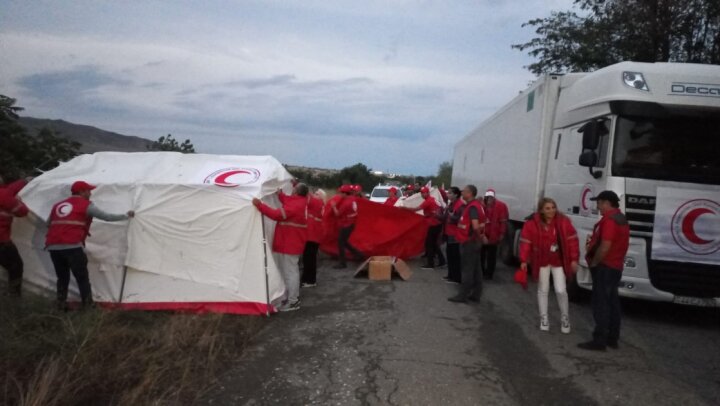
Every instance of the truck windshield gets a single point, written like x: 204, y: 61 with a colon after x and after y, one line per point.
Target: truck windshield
x: 673, y: 148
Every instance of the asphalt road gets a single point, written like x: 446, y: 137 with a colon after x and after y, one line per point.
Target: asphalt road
x: 357, y: 342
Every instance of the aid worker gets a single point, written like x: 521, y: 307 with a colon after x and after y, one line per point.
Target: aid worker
x: 392, y: 198
x: 431, y: 212
x: 289, y: 240
x: 454, y: 210
x: 471, y: 232
x: 346, y: 211
x: 605, y: 255
x: 495, y: 229
x: 68, y: 227
x: 11, y: 206
x: 315, y: 236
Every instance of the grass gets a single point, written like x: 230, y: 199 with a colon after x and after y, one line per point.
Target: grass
x: 113, y: 357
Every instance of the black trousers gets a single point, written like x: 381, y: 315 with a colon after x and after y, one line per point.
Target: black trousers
x: 432, y: 245
x: 471, y: 286
x: 344, y: 244
x: 309, y: 259
x: 71, y: 260
x: 453, y: 262
x: 10, y: 260
x: 488, y: 259
x: 606, y: 304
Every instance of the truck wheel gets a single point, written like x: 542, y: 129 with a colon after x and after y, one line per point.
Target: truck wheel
x: 508, y: 246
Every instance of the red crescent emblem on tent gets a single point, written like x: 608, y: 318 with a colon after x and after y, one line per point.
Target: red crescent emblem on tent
x: 688, y: 225
x: 686, y: 222
x: 221, y: 180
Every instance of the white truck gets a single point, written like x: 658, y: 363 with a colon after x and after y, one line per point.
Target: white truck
x: 650, y: 132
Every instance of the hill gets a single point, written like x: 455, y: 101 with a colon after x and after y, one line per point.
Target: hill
x: 92, y: 138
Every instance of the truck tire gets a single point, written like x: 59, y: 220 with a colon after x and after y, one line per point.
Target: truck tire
x: 509, y: 245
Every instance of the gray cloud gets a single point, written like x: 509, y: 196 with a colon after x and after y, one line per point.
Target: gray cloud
x: 67, y: 83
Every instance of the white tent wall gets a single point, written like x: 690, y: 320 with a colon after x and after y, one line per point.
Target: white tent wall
x: 196, y: 237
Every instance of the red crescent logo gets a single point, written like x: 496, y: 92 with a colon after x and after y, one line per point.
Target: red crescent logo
x: 583, y: 201
x: 233, y: 177
x: 63, y: 209
x: 221, y: 180
x: 688, y: 225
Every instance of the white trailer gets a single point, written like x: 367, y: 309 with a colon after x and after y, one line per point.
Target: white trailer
x: 648, y: 131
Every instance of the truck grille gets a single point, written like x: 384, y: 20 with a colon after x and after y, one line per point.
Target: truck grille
x: 679, y: 278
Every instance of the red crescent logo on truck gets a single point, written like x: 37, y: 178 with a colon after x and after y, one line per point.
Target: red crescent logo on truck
x: 699, y: 215
x: 233, y: 177
x: 586, y: 205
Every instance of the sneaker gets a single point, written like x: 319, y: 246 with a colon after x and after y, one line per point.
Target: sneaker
x: 290, y: 307
x: 308, y: 285
x: 565, y: 324
x: 591, y: 346
x: 544, y: 323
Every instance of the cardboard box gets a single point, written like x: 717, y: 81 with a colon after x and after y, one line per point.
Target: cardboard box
x: 382, y: 268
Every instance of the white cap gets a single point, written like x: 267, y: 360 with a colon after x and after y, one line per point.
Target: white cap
x: 490, y: 193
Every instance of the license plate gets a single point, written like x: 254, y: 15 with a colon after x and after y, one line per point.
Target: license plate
x: 695, y: 301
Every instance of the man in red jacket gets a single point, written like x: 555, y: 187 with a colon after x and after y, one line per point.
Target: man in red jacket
x: 11, y: 206
x: 432, y: 212
x: 497, y: 217
x: 289, y: 241
x: 346, y: 212
x: 392, y: 198
x: 68, y: 227
x: 316, y: 201
x: 471, y: 229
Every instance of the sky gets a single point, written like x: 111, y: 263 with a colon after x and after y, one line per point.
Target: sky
x: 391, y: 84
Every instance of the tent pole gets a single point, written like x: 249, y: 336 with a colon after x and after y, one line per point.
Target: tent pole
x: 267, y: 283
x: 122, y: 285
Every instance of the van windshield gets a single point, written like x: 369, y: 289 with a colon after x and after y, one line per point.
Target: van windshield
x: 380, y: 193
x: 674, y: 148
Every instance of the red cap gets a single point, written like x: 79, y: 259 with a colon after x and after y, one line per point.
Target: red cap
x: 357, y: 188
x: 81, y: 186
x: 345, y: 188
x: 393, y: 189
x: 424, y: 189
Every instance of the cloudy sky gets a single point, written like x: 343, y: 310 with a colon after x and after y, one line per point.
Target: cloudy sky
x: 392, y: 84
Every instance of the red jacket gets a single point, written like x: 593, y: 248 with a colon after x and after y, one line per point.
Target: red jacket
x: 347, y: 211
x: 452, y: 219
x: 291, y: 228
x: 10, y: 206
x: 69, y: 222
x: 315, y: 220
x: 534, y: 248
x: 497, y: 217
x: 391, y: 201
x: 430, y: 210
x: 465, y: 230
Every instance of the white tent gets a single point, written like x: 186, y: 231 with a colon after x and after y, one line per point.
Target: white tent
x: 196, y: 242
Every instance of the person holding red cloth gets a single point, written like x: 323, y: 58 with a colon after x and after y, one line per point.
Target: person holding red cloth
x: 470, y: 234
x: 289, y: 240
x: 315, y: 235
x: 431, y: 211
x: 605, y: 255
x: 11, y: 206
x: 497, y: 218
x: 549, y: 242
x: 452, y: 217
x: 346, y: 212
x: 393, y: 198
x: 68, y: 227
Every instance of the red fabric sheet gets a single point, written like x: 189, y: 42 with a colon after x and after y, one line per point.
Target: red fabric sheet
x: 381, y: 230
x: 250, y: 308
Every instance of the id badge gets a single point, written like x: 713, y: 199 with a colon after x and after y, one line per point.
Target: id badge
x: 554, y: 247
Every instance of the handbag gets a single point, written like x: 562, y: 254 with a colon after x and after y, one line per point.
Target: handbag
x: 521, y: 278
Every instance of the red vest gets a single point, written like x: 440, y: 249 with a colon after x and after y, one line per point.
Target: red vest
x: 452, y: 229
x: 10, y: 207
x: 69, y: 222
x: 465, y: 231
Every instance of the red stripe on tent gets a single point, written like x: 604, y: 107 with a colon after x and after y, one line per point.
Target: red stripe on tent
x: 251, y: 308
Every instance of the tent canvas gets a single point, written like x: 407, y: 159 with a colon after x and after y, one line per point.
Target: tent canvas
x: 196, y: 242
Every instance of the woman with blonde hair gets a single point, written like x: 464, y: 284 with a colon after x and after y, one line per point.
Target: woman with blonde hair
x: 549, y: 242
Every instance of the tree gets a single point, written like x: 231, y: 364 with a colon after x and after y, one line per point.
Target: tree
x: 611, y: 31
x: 444, y: 175
x: 170, y: 144
x: 23, y: 155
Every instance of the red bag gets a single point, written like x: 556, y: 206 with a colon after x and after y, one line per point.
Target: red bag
x: 521, y: 278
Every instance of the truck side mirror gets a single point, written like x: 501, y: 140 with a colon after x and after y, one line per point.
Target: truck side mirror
x: 591, y: 135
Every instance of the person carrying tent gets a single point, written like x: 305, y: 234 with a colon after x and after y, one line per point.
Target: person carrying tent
x: 346, y: 212
x: 68, y: 227
x: 290, y: 238
x: 11, y: 206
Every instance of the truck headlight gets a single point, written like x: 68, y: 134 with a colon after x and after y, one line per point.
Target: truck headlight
x: 630, y: 262
x: 635, y: 80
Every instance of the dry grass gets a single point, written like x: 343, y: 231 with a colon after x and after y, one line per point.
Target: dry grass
x: 113, y: 357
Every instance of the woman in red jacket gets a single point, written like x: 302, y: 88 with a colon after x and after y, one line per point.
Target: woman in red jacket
x: 549, y: 243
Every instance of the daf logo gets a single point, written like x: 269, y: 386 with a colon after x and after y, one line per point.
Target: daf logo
x: 694, y: 89
x: 641, y: 200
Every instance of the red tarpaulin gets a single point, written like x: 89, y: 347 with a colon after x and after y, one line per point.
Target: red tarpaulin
x: 381, y: 230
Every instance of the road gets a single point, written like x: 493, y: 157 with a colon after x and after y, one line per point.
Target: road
x: 357, y: 342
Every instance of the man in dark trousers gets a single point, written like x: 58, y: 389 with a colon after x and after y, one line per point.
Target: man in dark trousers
x: 471, y: 230
x: 68, y: 227
x: 497, y: 218
x: 11, y: 206
x: 346, y: 211
x: 605, y: 255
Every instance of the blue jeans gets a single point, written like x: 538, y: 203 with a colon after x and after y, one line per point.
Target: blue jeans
x: 606, y: 304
